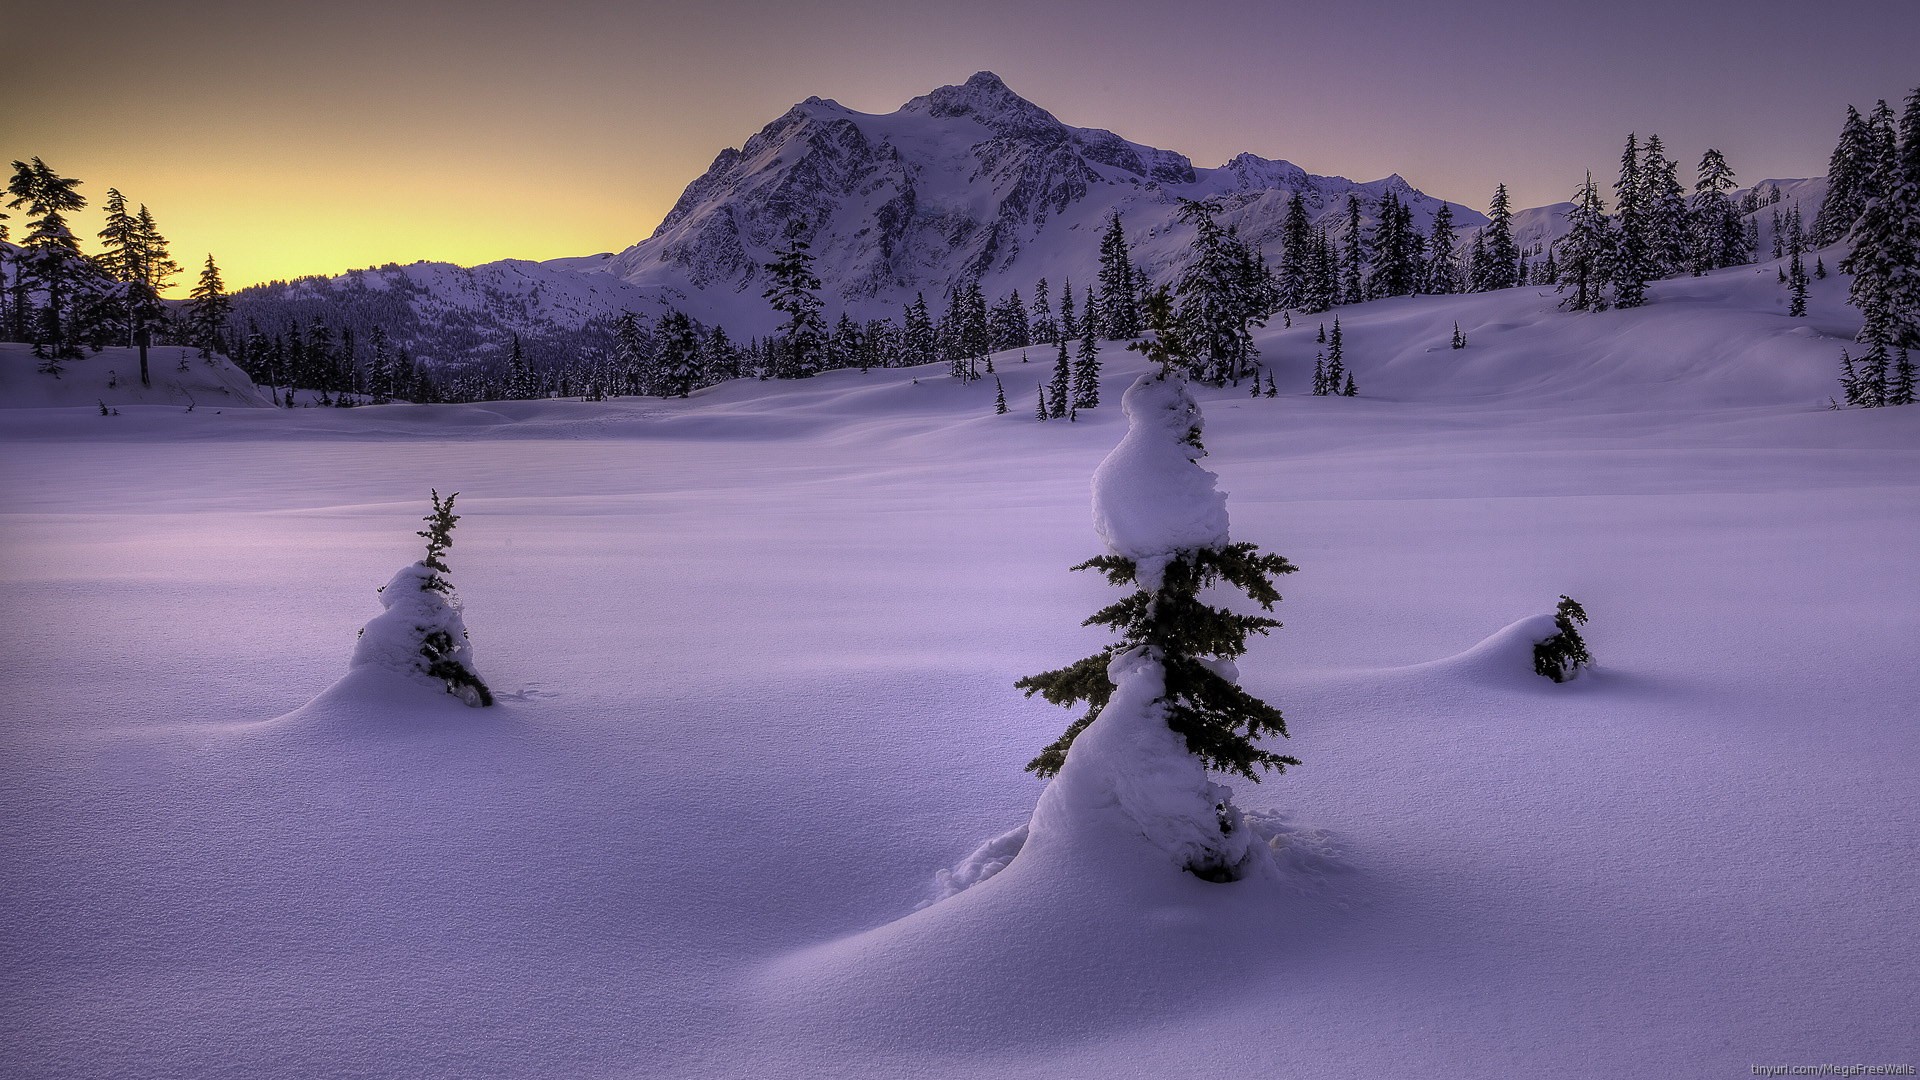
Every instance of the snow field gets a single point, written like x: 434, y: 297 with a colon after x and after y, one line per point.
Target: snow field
x: 754, y: 654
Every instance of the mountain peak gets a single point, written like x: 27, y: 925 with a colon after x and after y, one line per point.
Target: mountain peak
x: 986, y: 98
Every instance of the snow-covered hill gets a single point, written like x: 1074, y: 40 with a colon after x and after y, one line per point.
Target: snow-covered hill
x: 110, y: 378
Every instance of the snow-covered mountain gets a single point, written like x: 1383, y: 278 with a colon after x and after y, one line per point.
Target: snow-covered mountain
x: 969, y: 181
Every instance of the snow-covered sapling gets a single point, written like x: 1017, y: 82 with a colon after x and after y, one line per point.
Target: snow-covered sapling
x: 1561, y: 656
x: 421, y: 633
x: 1163, y: 704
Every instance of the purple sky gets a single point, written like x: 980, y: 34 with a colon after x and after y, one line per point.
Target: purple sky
x: 309, y: 138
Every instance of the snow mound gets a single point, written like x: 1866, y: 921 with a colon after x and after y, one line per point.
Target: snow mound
x: 420, y: 606
x: 1504, y: 657
x: 1151, y: 498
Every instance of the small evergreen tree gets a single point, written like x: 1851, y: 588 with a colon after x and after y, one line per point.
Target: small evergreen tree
x: 422, y: 632
x: 999, y: 398
x: 1562, y: 656
x: 1173, y: 650
x: 1040, y: 408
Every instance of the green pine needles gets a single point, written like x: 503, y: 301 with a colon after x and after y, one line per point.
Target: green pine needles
x: 439, y: 536
x: 1218, y: 719
x: 445, y: 656
x: 1565, y: 653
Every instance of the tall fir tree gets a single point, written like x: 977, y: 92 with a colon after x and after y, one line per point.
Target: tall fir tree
x: 1044, y: 331
x: 208, y: 309
x: 1442, y: 275
x: 51, y: 262
x: 1850, y: 180
x: 1885, y: 260
x: 1353, y: 265
x: 1630, y: 265
x: 1718, y: 235
x: 794, y: 292
x: 1663, y: 208
x: 918, y: 344
x: 1222, y: 297
x: 1296, y: 255
x: 1061, y: 387
x: 1119, y: 309
x: 1585, y: 253
x: 1086, y: 374
x: 1499, y: 262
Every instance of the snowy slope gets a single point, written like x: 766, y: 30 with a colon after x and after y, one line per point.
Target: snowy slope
x: 180, y: 377
x: 755, y: 650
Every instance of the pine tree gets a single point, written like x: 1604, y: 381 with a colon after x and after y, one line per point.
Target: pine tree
x: 1459, y: 339
x: 1562, y: 656
x: 1349, y: 390
x: 1172, y: 648
x: 1497, y: 259
x: 1664, y: 211
x: 51, y: 263
x: 999, y: 398
x: 1585, y: 252
x: 1296, y: 255
x: 1631, y: 264
x: 1353, y: 287
x: 1061, y: 386
x: 1885, y: 260
x: 1442, y: 277
x: 1086, y: 375
x: 1629, y: 267
x: 676, y: 355
x: 1273, y: 390
x: 1120, y: 313
x: 208, y: 309
x: 1220, y: 298
x: 1040, y: 409
x: 918, y: 342
x: 1069, y: 326
x: 794, y: 291
x: 1797, y: 274
x: 1336, y: 359
x: 1319, y: 375
x: 1044, y: 330
x: 1901, y: 391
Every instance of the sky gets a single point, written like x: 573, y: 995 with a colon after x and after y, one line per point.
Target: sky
x: 289, y: 139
